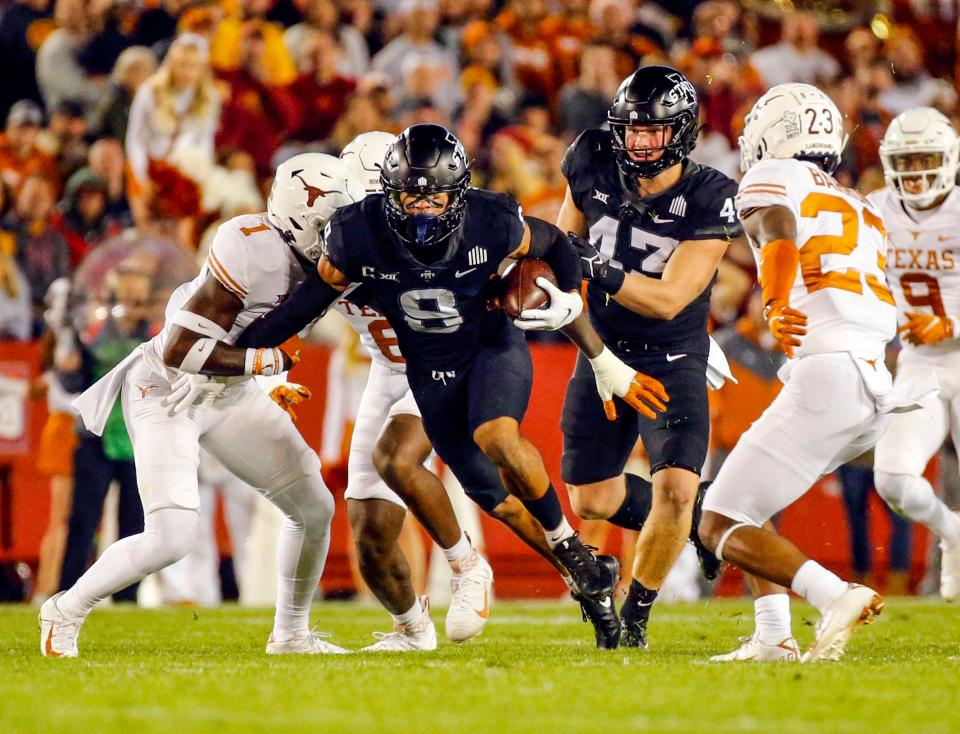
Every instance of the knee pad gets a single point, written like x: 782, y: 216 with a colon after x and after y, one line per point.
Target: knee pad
x: 168, y: 535
x: 905, y: 493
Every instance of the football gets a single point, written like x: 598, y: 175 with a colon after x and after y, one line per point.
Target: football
x: 520, y: 289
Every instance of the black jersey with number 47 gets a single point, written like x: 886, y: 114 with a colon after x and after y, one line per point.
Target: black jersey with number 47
x: 438, y: 310
x: 640, y: 234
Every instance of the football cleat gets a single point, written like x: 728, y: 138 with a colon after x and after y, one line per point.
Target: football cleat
x: 58, y: 631
x: 857, y: 606
x: 709, y: 563
x: 602, y: 614
x: 593, y: 576
x: 305, y: 643
x: 755, y: 650
x: 634, y: 619
x: 950, y: 572
x: 415, y: 637
x: 470, y: 598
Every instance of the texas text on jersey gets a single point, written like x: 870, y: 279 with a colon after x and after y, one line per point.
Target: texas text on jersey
x: 639, y: 234
x: 438, y: 310
x: 923, y: 260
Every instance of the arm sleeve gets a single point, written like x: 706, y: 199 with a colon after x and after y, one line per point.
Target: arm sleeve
x: 553, y: 246
x: 227, y: 261
x: 306, y: 303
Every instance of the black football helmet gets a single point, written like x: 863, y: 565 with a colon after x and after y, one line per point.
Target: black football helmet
x: 654, y: 95
x: 425, y: 160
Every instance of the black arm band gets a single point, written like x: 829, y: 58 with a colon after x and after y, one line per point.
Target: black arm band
x: 554, y: 248
x: 308, y: 301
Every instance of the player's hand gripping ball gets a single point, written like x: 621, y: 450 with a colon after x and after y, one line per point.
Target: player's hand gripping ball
x: 520, y: 290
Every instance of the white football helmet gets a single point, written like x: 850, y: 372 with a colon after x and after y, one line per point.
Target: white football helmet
x: 921, y: 130
x: 365, y: 154
x: 307, y: 189
x: 793, y: 121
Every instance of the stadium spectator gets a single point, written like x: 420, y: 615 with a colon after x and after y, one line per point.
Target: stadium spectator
x: 325, y: 16
x: 913, y: 85
x: 487, y: 59
x: 20, y: 156
x: 106, y: 159
x: 24, y: 24
x: 230, y: 48
x: 631, y: 41
x: 321, y: 91
x: 797, y: 58
x: 420, y: 19
x: 361, y: 115
x: 59, y: 72
x: 525, y: 23
x: 16, y: 316
x: 257, y: 113
x: 133, y: 68
x: 174, y: 117
x: 583, y: 103
x: 65, y: 137
x: 41, y: 251
x: 82, y: 217
x: 158, y: 23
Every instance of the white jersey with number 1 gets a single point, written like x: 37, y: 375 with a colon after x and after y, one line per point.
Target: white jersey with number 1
x: 840, y: 284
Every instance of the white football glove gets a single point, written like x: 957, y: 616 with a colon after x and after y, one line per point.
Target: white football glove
x: 563, y: 308
x: 190, y: 389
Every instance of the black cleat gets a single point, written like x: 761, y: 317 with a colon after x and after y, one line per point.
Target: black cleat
x: 634, y: 620
x: 593, y: 576
x: 602, y: 614
x: 709, y: 563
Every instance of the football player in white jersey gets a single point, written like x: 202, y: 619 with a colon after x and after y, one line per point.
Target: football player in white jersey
x: 820, y: 249
x: 254, y: 261
x: 388, y: 439
x: 921, y: 211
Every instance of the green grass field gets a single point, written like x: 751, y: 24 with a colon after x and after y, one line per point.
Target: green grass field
x: 533, y: 670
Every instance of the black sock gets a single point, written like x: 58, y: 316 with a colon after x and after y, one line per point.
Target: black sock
x: 639, y: 600
x: 546, y: 510
x: 636, y: 504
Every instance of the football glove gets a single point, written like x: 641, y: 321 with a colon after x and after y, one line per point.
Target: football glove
x: 563, y: 308
x: 593, y: 268
x: 190, y: 389
x: 288, y: 395
x: 925, y: 328
x: 786, y: 324
x: 641, y: 392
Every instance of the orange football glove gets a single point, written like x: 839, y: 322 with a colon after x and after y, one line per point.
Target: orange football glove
x: 786, y: 324
x: 288, y: 395
x: 291, y: 348
x: 614, y: 377
x: 925, y: 328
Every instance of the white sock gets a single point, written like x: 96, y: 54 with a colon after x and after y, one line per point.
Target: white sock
x: 817, y: 585
x: 301, y: 552
x: 459, y: 551
x: 558, y: 534
x: 772, y: 616
x: 410, y: 616
x: 168, y: 534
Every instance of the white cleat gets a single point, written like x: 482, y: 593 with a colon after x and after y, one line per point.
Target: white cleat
x: 470, y: 599
x: 416, y: 637
x: 950, y: 572
x: 58, y: 631
x: 858, y: 605
x: 306, y: 643
x: 756, y: 651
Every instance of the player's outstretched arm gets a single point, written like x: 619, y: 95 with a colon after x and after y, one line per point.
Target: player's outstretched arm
x: 774, y: 230
x: 307, y: 302
x: 196, y: 341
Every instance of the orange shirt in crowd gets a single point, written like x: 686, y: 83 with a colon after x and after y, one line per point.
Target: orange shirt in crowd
x: 14, y: 169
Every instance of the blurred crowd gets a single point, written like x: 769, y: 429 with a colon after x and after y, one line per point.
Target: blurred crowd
x: 162, y: 118
x: 169, y: 115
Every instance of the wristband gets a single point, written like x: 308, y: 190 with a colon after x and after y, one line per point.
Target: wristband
x: 265, y: 361
x: 609, y: 279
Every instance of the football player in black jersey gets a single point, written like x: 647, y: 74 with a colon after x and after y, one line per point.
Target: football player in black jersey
x: 427, y: 250
x: 651, y: 227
